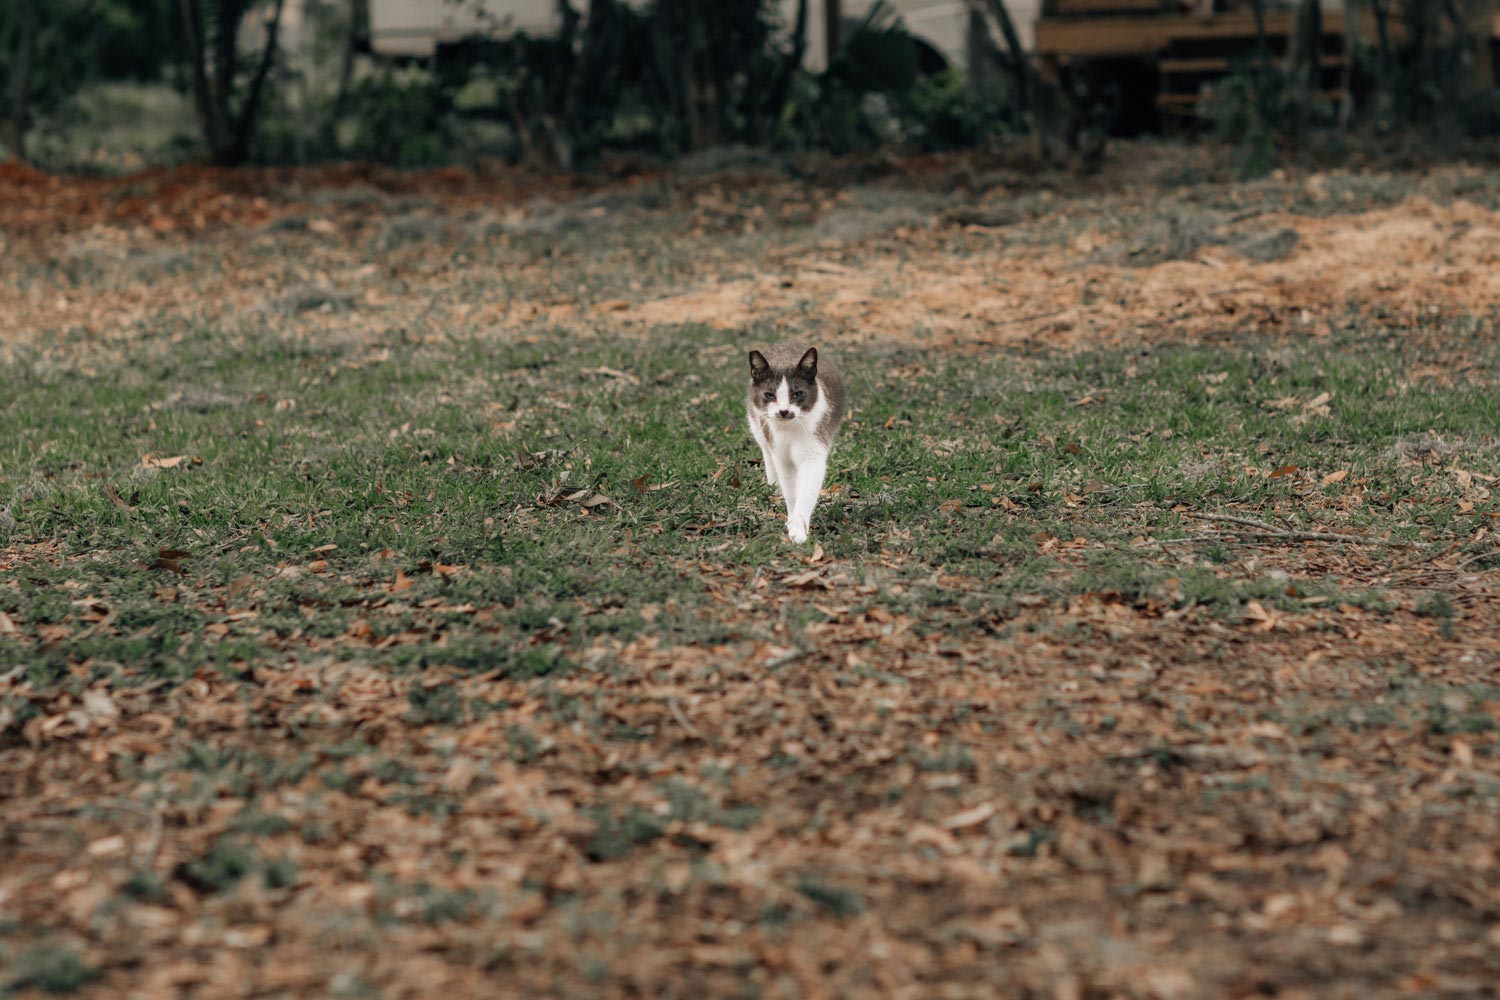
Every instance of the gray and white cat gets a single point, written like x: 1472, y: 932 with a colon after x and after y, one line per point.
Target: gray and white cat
x: 794, y: 406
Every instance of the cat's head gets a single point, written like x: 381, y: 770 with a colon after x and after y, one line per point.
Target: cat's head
x: 784, y: 394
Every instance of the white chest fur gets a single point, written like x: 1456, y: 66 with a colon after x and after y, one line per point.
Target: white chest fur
x: 798, y: 440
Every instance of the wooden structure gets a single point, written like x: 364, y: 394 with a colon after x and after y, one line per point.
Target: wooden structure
x: 1190, y: 48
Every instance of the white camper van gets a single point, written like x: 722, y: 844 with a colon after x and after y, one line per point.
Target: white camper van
x: 416, y: 28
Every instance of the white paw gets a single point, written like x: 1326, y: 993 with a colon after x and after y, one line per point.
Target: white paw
x: 796, y: 530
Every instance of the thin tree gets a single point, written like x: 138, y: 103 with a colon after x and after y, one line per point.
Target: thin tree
x: 1305, y: 62
x: 1028, y: 97
x: 20, y: 78
x: 1020, y: 65
x: 227, y: 119
x: 782, y: 85
x: 1306, y: 57
x: 356, y: 38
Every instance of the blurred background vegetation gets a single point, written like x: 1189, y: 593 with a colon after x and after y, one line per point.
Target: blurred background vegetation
x: 117, y: 85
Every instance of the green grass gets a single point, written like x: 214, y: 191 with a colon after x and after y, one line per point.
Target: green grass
x: 115, y: 127
x: 447, y: 497
x: 48, y: 969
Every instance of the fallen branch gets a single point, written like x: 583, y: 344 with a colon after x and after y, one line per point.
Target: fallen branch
x: 1292, y: 534
x: 1488, y: 553
x: 1184, y: 540
x: 612, y: 373
x: 145, y: 855
x: 1432, y: 552
x: 682, y: 719
x: 1233, y: 519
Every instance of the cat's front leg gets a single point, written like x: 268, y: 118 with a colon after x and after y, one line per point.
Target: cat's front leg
x: 787, y: 476
x: 802, y: 500
x: 768, y: 461
x: 767, y: 458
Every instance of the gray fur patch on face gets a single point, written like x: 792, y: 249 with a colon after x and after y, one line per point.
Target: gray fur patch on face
x: 801, y: 388
x: 790, y: 381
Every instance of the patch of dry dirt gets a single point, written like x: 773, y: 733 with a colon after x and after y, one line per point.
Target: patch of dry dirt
x: 1418, y: 259
x: 1058, y: 273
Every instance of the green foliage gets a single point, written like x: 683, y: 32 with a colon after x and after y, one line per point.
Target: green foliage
x: 1436, y: 605
x: 943, y: 112
x: 1260, y: 108
x: 1430, y: 81
x: 874, y: 93
x: 836, y: 900
x: 81, y: 41
x: 1421, y: 75
x: 669, y: 77
x: 879, y: 56
x: 399, y: 118
x: 615, y: 835
x: 49, y: 969
x: 442, y: 704
x: 225, y: 864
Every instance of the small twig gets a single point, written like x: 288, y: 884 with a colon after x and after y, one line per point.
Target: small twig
x: 1248, y: 213
x: 612, y: 373
x: 783, y: 659
x: 682, y: 719
x: 1116, y: 488
x: 145, y: 856
x: 1185, y: 540
x: 1182, y: 612
x: 1432, y: 552
x: 119, y: 805
x: 225, y: 546
x: 1233, y: 519
x: 1488, y: 553
x: 1323, y: 536
x: 1291, y: 534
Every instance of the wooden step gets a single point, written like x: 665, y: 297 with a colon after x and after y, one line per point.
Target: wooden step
x: 1211, y: 65
x: 1184, y: 102
x: 1075, y: 7
x: 1238, y: 26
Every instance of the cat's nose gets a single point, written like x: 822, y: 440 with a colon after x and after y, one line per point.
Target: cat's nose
x: 785, y: 414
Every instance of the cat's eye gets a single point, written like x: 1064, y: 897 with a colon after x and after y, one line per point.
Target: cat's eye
x: 798, y: 396
x: 770, y: 397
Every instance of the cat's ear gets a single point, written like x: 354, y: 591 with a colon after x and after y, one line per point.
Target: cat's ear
x: 759, y: 367
x: 809, y: 364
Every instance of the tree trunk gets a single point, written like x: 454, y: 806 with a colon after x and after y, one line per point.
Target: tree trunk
x: 1030, y: 96
x: 699, y: 84
x: 1307, y: 47
x: 979, y: 53
x: 1262, y: 41
x: 213, y: 61
x: 359, y: 18
x: 671, y: 110
x: 1387, y: 58
x: 781, y: 87
x: 1479, y: 30
x: 1261, y: 74
x: 225, y: 64
x: 20, y: 79
x: 244, y: 127
x: 205, y: 96
x: 1019, y: 67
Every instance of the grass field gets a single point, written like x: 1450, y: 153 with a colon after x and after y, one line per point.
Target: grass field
x: 392, y: 604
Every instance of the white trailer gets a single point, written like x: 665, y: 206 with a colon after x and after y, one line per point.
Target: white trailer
x: 415, y: 28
